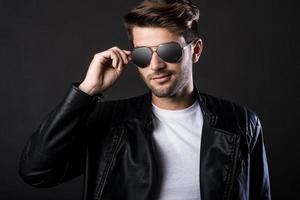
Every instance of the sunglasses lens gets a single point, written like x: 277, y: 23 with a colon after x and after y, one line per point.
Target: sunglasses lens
x: 141, y: 56
x: 170, y: 52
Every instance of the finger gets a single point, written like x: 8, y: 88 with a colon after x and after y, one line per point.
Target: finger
x: 119, y: 58
x: 122, y: 54
x: 129, y: 57
x: 127, y: 52
x: 105, y: 57
x: 123, y: 63
x: 114, y: 58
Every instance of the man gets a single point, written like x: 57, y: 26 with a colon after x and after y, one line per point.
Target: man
x: 170, y: 143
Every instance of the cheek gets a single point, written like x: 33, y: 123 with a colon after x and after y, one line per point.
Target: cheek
x: 186, y: 63
x: 142, y: 73
x: 177, y: 68
x: 187, y: 56
x: 181, y: 69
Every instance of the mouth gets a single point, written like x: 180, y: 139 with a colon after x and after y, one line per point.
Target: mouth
x: 161, y: 78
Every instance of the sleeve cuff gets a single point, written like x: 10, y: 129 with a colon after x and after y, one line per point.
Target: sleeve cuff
x: 97, y: 97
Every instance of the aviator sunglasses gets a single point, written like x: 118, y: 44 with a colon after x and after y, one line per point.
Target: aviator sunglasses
x: 169, y: 52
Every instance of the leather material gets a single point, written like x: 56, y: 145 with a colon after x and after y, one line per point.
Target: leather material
x: 111, y: 144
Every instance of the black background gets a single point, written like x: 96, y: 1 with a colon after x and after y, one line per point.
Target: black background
x: 251, y: 56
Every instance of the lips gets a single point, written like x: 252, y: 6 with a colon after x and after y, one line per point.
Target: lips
x: 162, y: 78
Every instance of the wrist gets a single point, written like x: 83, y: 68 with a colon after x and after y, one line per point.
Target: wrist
x: 87, y: 89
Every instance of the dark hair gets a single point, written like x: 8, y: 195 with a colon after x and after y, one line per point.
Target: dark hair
x: 178, y: 16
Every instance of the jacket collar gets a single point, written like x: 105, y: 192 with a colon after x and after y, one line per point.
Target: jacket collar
x: 210, y: 116
x: 146, y: 105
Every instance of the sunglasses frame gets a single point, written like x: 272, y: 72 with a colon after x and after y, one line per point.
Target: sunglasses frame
x: 157, y: 46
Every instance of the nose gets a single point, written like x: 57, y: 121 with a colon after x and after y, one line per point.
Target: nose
x: 156, y: 62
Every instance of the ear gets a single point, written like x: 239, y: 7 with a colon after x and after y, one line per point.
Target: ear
x: 197, y: 50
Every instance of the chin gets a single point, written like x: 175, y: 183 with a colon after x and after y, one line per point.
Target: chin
x: 162, y: 93
x: 165, y: 90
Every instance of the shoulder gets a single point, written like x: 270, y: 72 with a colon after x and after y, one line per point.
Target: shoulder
x: 116, y: 111
x: 231, y: 115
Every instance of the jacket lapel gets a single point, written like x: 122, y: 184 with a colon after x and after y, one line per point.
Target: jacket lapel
x: 217, y: 156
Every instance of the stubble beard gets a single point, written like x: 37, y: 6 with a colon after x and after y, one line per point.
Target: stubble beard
x: 165, y: 90
x: 169, y: 89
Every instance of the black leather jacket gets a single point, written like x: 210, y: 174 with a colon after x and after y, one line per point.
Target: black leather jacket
x: 111, y: 144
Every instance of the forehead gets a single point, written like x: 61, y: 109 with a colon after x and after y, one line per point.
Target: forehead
x: 153, y: 36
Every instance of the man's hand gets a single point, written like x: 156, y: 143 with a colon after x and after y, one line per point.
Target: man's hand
x: 105, y: 68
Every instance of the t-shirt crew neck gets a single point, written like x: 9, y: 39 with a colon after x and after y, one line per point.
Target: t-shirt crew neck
x: 175, y: 113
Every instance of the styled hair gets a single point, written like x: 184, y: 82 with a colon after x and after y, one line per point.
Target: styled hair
x: 178, y: 16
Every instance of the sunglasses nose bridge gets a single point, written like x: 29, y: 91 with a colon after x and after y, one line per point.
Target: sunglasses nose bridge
x: 156, y: 62
x: 153, y: 49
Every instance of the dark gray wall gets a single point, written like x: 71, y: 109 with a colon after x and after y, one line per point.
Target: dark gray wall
x: 251, y: 56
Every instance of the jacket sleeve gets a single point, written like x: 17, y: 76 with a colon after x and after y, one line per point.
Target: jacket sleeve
x: 55, y: 152
x: 259, y: 172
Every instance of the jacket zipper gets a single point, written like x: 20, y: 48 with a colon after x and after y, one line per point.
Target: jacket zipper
x: 115, y: 146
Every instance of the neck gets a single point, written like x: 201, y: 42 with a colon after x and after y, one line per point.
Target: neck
x: 182, y: 99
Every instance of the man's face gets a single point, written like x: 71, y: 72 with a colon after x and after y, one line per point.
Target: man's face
x: 164, y: 79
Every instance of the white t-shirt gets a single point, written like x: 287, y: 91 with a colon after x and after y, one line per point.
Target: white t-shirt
x: 177, y: 134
